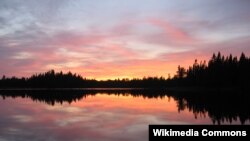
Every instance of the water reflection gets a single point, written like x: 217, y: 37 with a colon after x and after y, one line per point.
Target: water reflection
x: 110, y: 115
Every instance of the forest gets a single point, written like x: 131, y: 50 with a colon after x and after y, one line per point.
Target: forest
x: 219, y: 71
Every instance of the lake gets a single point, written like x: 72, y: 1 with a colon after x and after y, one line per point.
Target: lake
x: 108, y: 115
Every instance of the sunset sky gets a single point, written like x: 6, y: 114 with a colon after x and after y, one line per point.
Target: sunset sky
x: 108, y: 39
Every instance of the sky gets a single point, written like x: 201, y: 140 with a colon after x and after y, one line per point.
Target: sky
x: 109, y: 39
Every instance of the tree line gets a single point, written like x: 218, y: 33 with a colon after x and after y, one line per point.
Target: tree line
x: 220, y: 71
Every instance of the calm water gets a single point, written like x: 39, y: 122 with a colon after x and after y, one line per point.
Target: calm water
x: 97, y: 116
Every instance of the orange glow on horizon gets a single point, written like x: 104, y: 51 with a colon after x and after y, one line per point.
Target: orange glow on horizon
x: 137, y: 69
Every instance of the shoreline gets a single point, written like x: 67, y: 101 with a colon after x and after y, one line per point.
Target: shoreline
x: 177, y: 89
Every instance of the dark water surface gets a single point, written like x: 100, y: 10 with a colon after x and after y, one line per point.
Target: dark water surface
x: 111, y: 115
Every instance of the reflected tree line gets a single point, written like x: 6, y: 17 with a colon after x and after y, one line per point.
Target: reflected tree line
x: 60, y: 96
x: 220, y: 106
x: 220, y: 71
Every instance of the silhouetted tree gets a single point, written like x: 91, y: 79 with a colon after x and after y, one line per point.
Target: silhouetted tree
x: 181, y: 72
x: 221, y: 71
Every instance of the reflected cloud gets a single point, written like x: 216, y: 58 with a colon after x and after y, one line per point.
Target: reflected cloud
x: 100, y: 115
x: 23, y: 118
x: 65, y: 109
x: 66, y: 122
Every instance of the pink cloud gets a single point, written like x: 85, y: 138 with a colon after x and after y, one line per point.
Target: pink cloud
x: 78, y: 39
x: 172, y: 33
x: 108, y: 53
